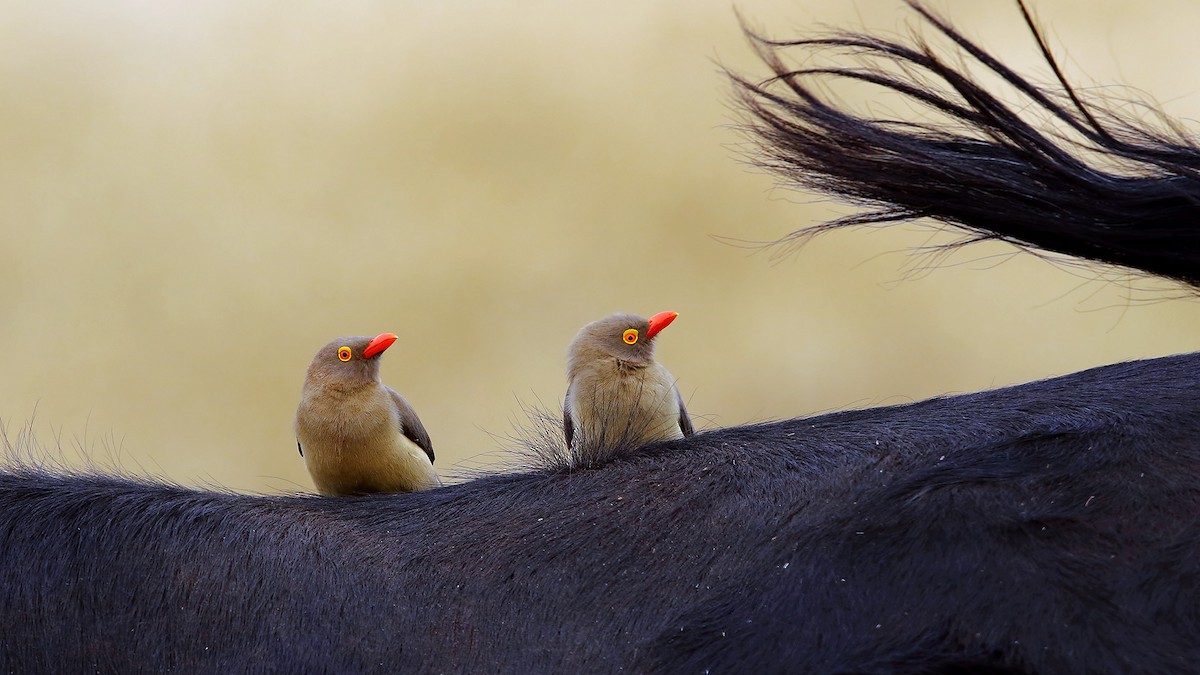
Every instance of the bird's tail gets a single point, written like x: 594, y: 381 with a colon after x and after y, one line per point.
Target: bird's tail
x: 1045, y: 170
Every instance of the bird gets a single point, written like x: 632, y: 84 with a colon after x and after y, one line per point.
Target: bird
x: 618, y: 396
x: 356, y: 434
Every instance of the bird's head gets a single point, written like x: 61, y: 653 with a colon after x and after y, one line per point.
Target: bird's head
x: 349, y: 361
x: 626, y: 337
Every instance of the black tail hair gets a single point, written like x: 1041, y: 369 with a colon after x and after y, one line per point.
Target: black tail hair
x: 1085, y: 181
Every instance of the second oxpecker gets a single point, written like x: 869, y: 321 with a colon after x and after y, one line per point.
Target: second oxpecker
x: 618, y: 396
x: 356, y: 434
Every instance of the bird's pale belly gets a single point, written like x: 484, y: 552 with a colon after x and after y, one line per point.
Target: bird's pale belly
x: 362, y: 453
x: 625, y: 408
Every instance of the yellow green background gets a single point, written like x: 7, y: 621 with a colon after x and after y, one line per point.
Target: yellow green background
x: 197, y: 196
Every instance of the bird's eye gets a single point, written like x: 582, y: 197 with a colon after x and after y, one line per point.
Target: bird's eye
x: 630, y: 336
x: 344, y: 353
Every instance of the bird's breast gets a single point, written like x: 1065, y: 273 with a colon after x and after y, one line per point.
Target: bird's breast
x: 344, y: 420
x: 613, y: 404
x: 353, y: 444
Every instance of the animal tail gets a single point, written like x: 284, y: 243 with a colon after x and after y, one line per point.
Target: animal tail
x: 1051, y: 172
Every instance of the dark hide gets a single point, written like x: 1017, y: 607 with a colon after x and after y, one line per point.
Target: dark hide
x: 1049, y: 528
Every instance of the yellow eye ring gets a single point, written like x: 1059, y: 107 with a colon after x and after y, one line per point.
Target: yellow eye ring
x: 344, y: 353
x: 630, y: 336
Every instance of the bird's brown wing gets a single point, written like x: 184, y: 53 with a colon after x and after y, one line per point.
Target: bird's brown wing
x: 410, y: 424
x: 685, y: 422
x: 568, y: 425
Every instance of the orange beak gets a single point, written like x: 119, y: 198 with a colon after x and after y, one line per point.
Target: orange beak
x: 660, y: 321
x: 377, y: 345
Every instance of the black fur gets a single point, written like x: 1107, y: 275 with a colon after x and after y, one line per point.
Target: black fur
x: 1089, y: 182
x: 1046, y: 528
x: 1043, y: 528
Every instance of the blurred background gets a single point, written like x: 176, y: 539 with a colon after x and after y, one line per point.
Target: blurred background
x: 197, y: 196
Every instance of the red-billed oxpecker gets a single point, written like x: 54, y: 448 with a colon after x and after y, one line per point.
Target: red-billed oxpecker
x: 617, y: 395
x: 356, y: 434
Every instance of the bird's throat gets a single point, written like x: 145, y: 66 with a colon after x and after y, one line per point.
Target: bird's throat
x: 629, y: 366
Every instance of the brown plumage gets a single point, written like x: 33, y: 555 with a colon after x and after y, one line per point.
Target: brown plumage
x: 356, y: 434
x: 618, y: 396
